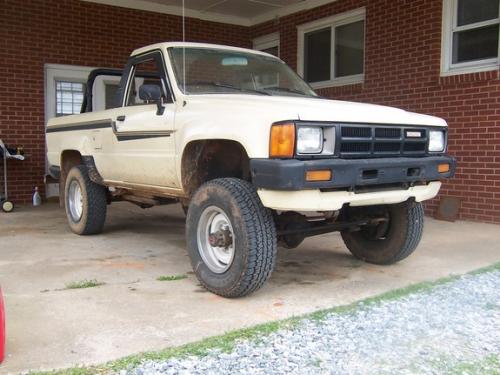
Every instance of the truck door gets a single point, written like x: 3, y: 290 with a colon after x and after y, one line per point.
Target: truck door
x: 142, y: 146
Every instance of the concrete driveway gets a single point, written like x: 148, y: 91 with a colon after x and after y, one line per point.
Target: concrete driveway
x: 49, y: 327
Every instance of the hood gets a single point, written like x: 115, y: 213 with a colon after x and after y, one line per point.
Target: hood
x: 279, y: 108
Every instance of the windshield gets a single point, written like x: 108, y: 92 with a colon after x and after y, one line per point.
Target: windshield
x: 220, y: 71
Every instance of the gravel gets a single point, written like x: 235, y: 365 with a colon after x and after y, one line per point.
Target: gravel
x: 431, y: 332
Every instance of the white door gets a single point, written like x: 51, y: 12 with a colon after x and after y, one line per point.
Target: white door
x: 143, y: 147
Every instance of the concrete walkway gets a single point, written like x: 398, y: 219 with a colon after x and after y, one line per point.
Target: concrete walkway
x: 48, y: 327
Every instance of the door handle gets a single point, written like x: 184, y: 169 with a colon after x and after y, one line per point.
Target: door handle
x: 120, y: 118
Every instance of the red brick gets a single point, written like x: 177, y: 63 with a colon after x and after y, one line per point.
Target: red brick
x: 402, y: 69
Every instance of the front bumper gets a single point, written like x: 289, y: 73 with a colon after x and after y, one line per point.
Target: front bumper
x: 289, y: 174
x: 282, y: 184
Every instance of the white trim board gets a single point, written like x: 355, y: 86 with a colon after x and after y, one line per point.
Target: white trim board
x: 212, y: 16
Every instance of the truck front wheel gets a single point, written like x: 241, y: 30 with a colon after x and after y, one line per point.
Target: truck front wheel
x: 85, y: 202
x: 388, y: 241
x: 231, y: 237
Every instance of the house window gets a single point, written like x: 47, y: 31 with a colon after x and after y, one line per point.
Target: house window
x: 331, y: 51
x: 471, y: 30
x: 69, y: 97
x: 269, y: 43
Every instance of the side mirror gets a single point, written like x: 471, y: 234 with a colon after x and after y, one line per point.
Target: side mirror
x: 152, y: 94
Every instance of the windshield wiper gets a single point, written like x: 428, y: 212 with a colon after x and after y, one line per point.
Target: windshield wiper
x: 228, y: 86
x: 286, y: 89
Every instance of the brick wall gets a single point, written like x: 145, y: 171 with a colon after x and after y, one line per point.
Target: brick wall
x: 36, y: 32
x: 402, y: 69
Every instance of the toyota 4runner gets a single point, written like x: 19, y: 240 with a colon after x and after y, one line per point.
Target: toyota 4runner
x: 256, y: 158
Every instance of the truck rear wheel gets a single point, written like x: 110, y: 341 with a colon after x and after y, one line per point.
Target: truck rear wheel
x: 389, y: 241
x: 231, y: 238
x: 85, y: 202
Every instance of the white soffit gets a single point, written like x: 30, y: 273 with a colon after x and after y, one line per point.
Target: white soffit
x: 237, y: 12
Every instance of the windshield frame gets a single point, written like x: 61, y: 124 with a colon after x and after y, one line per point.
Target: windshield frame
x: 277, y: 92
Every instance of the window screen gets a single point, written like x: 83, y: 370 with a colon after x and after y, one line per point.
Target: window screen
x: 475, y: 44
x: 317, y: 55
x: 472, y: 11
x: 475, y: 34
x: 349, y: 49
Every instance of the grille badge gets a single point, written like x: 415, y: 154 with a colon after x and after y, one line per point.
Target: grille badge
x: 413, y: 134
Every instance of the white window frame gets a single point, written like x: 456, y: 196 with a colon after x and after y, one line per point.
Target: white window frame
x: 267, y: 41
x: 58, y: 72
x: 449, y: 28
x: 332, y: 22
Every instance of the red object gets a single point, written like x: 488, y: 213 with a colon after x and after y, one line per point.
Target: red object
x: 2, y: 327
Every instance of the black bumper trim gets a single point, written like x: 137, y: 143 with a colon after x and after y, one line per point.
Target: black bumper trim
x: 278, y: 174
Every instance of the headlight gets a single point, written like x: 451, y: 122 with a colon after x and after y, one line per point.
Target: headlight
x: 436, y: 141
x: 309, y: 140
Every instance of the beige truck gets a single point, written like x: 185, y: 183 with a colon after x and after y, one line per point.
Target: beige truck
x: 256, y: 158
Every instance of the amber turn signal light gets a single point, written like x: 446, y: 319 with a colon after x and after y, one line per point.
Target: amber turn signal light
x: 443, y: 168
x: 282, y: 142
x: 322, y: 175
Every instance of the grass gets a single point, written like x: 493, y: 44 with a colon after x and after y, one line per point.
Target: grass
x: 82, y: 284
x: 171, y: 277
x: 227, y: 341
x: 488, y: 365
x: 449, y: 366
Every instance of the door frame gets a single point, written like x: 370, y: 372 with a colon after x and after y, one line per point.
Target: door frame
x: 53, y: 73
x: 59, y: 72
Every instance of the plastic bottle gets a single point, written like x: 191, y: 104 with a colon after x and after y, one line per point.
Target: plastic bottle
x: 37, y: 199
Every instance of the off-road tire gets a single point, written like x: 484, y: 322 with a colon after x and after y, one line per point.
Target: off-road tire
x: 255, y: 244
x: 403, y: 235
x: 94, y: 202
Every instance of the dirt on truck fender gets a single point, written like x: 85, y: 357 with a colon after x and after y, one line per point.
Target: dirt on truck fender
x: 254, y: 156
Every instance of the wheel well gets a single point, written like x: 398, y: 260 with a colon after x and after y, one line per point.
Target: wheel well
x: 206, y: 160
x: 69, y: 158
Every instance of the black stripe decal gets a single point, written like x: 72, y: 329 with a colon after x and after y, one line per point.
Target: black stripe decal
x: 125, y: 136
x: 80, y: 126
x: 139, y: 135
